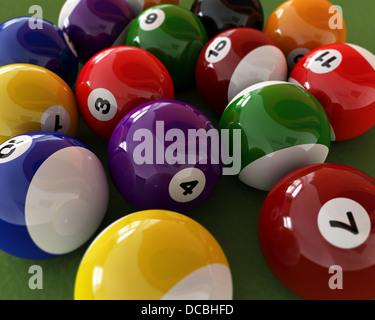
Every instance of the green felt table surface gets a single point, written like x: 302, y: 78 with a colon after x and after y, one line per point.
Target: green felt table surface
x: 230, y: 214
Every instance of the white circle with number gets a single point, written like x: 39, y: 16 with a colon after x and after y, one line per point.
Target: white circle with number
x: 14, y: 148
x: 56, y: 119
x: 151, y: 19
x: 218, y: 49
x: 187, y: 185
x: 344, y: 223
x: 102, y: 104
x: 325, y: 61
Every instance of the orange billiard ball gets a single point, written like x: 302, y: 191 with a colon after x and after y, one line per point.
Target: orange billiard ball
x: 299, y: 26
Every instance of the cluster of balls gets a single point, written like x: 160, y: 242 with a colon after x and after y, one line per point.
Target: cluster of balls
x: 282, y: 85
x: 100, y: 64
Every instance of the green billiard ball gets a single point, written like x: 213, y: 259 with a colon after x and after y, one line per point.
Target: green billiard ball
x: 282, y: 128
x: 174, y: 35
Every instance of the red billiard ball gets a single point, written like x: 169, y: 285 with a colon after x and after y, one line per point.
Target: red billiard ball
x: 317, y: 235
x: 342, y: 77
x: 115, y: 81
x: 234, y: 60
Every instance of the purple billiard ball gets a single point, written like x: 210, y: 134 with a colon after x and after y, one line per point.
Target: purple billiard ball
x: 95, y: 25
x: 164, y: 154
x: 42, y: 44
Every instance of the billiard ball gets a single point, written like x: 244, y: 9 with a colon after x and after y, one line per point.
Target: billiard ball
x: 45, y: 45
x: 234, y: 60
x: 282, y: 128
x: 139, y: 6
x: 342, y: 77
x: 316, y: 232
x: 33, y: 99
x: 154, y: 255
x: 115, y: 81
x: 219, y: 16
x: 164, y: 155
x: 54, y: 195
x: 174, y: 35
x: 94, y: 25
x: 299, y: 26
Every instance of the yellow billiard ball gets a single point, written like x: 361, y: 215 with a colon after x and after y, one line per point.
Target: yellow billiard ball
x: 154, y: 255
x: 33, y: 98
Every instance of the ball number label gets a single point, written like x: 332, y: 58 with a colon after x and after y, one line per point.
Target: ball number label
x: 218, y: 50
x: 325, y: 61
x: 14, y: 148
x: 344, y: 223
x: 56, y: 119
x: 187, y: 185
x: 102, y: 104
x: 7, y: 150
x: 152, y: 19
x: 351, y: 227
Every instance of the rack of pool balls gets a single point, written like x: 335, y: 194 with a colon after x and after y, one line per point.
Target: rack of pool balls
x: 282, y: 90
